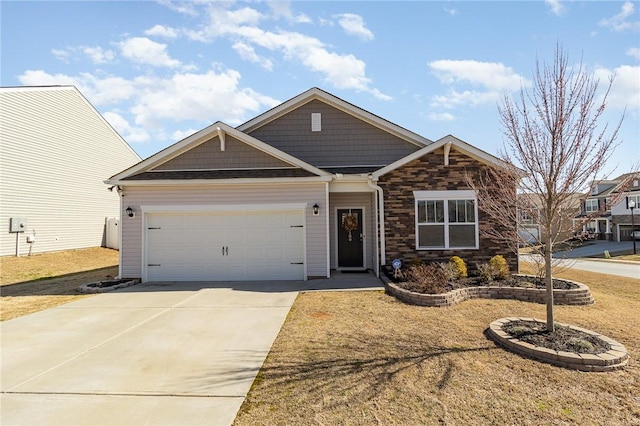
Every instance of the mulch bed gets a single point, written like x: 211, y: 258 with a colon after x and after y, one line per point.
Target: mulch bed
x: 561, y: 339
x: 514, y: 281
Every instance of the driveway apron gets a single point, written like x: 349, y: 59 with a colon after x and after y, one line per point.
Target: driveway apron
x: 155, y: 354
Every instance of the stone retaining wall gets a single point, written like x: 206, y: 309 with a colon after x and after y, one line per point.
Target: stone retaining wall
x: 578, y: 296
x: 615, y: 358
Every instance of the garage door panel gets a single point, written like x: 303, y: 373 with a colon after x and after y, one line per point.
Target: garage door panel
x: 257, y: 246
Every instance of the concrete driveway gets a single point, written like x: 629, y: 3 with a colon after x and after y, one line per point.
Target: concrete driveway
x: 156, y: 354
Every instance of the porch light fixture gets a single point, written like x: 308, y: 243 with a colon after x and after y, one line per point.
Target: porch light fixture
x: 632, y: 204
x: 129, y: 211
x: 316, y: 209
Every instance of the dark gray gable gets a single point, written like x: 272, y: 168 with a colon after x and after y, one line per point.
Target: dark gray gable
x: 209, y: 156
x: 343, y: 140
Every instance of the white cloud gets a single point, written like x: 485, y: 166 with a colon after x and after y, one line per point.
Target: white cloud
x: 122, y: 126
x: 282, y: 9
x: 625, y: 90
x: 354, y: 25
x: 494, y: 78
x: 452, y: 12
x: 343, y: 71
x: 148, y: 52
x: 201, y: 97
x: 492, y: 75
x: 620, y: 22
x: 443, y: 116
x: 98, y: 55
x: 41, y: 78
x: 557, y: 8
x: 161, y: 31
x: 178, y: 135
x: 61, y: 54
x: 247, y: 53
x: 634, y: 52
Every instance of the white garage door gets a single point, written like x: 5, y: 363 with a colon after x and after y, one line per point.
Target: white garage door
x: 229, y: 246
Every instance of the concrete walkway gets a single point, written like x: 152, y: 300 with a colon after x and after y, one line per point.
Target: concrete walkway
x: 151, y: 354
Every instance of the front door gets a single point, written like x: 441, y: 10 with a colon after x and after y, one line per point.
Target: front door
x: 350, y: 238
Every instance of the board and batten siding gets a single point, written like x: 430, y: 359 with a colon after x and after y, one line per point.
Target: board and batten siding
x: 131, y: 245
x: 55, y: 153
x: 342, y: 200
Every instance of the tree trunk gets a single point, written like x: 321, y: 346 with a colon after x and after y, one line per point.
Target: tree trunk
x: 549, y: 284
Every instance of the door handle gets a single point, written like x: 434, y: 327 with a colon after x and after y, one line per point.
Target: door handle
x: 226, y: 251
x: 223, y: 250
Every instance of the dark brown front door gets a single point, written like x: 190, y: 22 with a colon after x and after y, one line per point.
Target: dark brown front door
x: 350, y: 236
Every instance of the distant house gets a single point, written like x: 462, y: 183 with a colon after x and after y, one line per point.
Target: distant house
x: 604, y: 212
x: 529, y: 227
x: 55, y: 151
x: 313, y: 185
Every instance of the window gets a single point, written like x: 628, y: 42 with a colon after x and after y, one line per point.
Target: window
x: 635, y: 199
x: 446, y: 219
x: 528, y: 217
x: 591, y: 206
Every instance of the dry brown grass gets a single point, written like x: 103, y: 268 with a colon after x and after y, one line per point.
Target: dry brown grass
x: 364, y: 358
x: 33, y: 283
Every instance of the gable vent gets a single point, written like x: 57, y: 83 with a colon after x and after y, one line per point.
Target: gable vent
x: 316, y: 121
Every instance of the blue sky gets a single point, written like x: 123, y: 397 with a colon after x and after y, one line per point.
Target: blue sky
x: 159, y: 71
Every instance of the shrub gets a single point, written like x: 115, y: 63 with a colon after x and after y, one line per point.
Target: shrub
x: 580, y: 345
x: 486, y: 272
x: 428, y: 279
x: 459, y: 266
x: 499, y: 267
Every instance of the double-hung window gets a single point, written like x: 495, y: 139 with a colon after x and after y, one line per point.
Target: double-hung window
x: 446, y: 220
x: 591, y: 206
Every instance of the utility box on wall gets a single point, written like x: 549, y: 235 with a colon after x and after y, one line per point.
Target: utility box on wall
x: 17, y: 224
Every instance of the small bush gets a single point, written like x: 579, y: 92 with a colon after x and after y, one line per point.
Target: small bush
x: 486, y: 273
x: 459, y: 266
x: 520, y: 330
x: 427, y: 279
x: 499, y: 267
x: 449, y: 271
x: 580, y: 345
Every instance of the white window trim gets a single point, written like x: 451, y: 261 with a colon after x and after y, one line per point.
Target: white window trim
x: 446, y: 196
x: 587, y: 204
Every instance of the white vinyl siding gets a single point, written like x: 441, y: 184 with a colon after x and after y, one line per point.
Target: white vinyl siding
x: 446, y: 220
x: 227, y: 195
x: 55, y: 153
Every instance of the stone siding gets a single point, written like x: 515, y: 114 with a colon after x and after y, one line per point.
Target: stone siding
x: 429, y: 173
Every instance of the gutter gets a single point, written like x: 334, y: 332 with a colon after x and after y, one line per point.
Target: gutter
x: 381, y: 233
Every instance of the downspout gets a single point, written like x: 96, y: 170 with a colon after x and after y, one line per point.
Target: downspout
x: 380, y: 232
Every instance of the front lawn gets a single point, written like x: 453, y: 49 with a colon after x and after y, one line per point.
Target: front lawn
x: 33, y: 283
x: 365, y: 358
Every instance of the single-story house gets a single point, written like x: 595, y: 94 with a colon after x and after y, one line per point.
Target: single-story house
x: 313, y: 185
x: 55, y: 151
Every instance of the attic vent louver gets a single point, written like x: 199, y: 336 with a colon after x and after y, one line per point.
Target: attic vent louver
x: 316, y: 121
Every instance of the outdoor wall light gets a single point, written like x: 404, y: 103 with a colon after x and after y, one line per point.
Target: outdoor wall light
x: 316, y: 209
x: 129, y: 212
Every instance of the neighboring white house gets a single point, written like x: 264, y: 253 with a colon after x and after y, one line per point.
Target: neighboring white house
x: 55, y: 152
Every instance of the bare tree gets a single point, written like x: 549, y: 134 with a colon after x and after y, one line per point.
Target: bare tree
x: 557, y: 146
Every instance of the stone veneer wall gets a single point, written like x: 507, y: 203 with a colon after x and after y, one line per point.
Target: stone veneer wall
x: 429, y: 173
